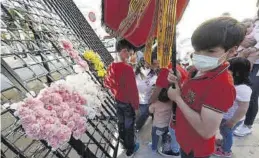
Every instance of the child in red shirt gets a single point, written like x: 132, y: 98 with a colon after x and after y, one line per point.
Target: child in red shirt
x: 161, y: 83
x: 209, y: 91
x: 121, y: 81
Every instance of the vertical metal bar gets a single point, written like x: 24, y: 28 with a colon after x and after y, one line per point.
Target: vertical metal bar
x: 173, y: 58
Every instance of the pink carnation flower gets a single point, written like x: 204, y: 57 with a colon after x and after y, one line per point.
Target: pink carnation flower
x: 33, y: 130
x: 67, y: 45
x: 51, y: 99
x: 54, y: 115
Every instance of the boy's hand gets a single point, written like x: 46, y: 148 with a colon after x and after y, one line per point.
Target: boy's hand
x: 174, y: 93
x: 172, y: 78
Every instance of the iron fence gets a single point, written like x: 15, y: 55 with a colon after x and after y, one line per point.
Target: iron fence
x: 31, y: 57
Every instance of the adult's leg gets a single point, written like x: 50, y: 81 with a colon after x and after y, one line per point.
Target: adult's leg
x: 129, y: 121
x: 253, y: 105
x: 143, y: 116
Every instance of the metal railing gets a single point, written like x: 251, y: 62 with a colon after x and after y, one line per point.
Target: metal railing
x: 31, y: 57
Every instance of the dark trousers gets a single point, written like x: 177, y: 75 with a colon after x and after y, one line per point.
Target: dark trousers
x: 253, y: 105
x: 143, y: 116
x: 190, y: 155
x: 126, y: 119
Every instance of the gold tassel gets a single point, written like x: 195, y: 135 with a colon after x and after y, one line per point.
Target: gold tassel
x: 166, y: 29
x: 149, y: 43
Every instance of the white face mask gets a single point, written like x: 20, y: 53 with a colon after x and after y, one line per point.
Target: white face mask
x: 205, y: 63
x: 145, y: 72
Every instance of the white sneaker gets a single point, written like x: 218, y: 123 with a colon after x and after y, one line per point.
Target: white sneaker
x: 242, y: 131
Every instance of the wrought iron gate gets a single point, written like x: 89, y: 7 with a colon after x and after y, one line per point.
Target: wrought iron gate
x: 31, y: 57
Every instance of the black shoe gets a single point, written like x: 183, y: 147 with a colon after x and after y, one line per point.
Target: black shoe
x: 169, y: 153
x: 131, y: 154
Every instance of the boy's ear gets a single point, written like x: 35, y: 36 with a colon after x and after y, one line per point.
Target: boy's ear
x: 232, y: 52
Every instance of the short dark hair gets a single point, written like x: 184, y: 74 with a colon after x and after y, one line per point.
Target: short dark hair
x: 124, y: 44
x: 240, y: 68
x: 225, y: 32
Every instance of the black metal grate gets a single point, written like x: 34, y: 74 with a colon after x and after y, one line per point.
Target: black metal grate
x: 31, y: 57
x: 69, y: 12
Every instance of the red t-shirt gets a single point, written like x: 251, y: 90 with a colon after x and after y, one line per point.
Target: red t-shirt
x: 120, y: 79
x: 214, y: 90
x: 162, y: 77
x: 162, y: 81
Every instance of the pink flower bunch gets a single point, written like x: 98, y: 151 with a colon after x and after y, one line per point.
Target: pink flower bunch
x: 68, y: 47
x: 54, y: 115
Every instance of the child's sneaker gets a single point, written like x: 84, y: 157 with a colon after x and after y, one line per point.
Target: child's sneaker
x: 169, y: 153
x: 150, y: 147
x: 220, y: 153
x: 134, y: 151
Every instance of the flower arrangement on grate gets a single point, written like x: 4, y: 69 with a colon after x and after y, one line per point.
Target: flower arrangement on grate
x: 95, y: 59
x: 60, y: 110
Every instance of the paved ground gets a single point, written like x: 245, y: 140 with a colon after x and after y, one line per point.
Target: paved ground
x: 246, y: 147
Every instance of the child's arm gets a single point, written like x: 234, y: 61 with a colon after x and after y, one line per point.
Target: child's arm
x: 239, y: 114
x: 132, y: 89
x: 161, y: 83
x: 155, y: 94
x: 152, y: 108
x: 108, y: 80
x: 243, y: 98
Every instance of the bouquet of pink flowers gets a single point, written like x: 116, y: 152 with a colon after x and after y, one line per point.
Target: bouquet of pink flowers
x: 68, y: 47
x: 55, y: 115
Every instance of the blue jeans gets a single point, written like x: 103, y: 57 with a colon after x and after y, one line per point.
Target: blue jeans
x: 227, y: 135
x: 143, y: 116
x: 174, y: 144
x: 155, y: 137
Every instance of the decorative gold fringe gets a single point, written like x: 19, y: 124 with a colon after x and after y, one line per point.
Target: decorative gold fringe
x: 166, y: 29
x: 164, y: 20
x: 149, y: 43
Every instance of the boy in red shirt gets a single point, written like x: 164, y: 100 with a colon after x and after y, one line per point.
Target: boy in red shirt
x: 209, y: 91
x: 121, y: 81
